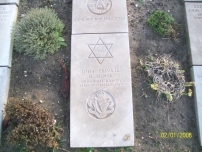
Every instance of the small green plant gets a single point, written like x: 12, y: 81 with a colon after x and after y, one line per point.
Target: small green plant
x: 140, y: 1
x: 167, y: 78
x: 33, y: 126
x: 126, y: 149
x: 38, y: 33
x: 163, y: 23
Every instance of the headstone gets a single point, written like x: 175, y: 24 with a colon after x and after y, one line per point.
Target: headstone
x: 196, y: 72
x: 4, y: 83
x: 194, y: 28
x: 10, y: 2
x: 8, y: 15
x: 101, y: 95
x: 101, y: 109
x: 99, y: 16
x: 193, y: 9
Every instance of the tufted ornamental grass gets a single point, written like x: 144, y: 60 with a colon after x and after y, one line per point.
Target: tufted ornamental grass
x: 38, y: 33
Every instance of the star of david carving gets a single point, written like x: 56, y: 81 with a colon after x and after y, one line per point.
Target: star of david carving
x: 100, y: 51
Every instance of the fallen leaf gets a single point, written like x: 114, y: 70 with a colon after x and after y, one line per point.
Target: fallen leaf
x: 41, y: 101
x: 126, y: 137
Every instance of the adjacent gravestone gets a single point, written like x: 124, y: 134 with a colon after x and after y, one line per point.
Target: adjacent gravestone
x: 194, y: 28
x: 4, y: 83
x: 196, y: 72
x: 10, y: 2
x: 8, y: 16
x: 193, y: 10
x: 101, y: 108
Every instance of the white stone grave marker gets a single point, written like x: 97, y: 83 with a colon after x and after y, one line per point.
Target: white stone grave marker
x: 101, y: 108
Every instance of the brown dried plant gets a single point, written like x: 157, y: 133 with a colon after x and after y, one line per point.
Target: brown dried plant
x: 34, y: 125
x: 168, y: 79
x: 65, y: 81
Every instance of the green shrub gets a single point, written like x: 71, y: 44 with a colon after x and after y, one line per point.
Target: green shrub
x: 38, y: 33
x: 163, y: 23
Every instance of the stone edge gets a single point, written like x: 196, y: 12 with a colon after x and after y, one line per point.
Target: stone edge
x: 10, y: 3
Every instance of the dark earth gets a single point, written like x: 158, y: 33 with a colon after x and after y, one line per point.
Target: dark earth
x: 41, y: 80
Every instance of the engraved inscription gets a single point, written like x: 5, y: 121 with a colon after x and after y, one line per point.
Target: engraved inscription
x: 101, y: 78
x: 99, y: 7
x: 197, y: 10
x: 101, y: 104
x: 199, y: 76
x: 100, y: 19
x: 4, y: 13
x: 100, y: 51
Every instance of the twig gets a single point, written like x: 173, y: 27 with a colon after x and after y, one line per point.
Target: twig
x: 165, y: 38
x: 16, y: 58
x: 153, y: 138
x: 63, y: 149
x: 168, y: 116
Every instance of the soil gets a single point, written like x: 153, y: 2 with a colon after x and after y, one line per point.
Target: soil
x: 41, y: 80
